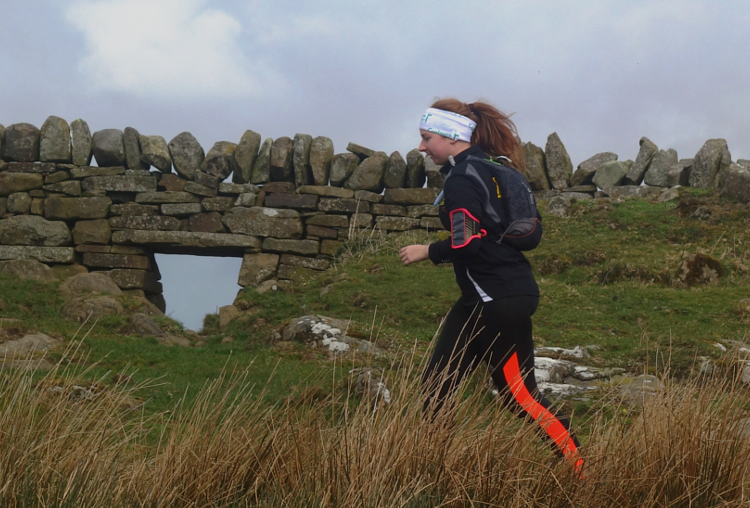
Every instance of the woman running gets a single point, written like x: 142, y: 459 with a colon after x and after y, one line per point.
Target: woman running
x: 491, y: 321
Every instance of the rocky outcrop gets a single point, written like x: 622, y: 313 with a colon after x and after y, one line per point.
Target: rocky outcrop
x: 559, y: 166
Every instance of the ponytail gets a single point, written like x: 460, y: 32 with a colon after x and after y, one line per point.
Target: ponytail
x: 495, y: 133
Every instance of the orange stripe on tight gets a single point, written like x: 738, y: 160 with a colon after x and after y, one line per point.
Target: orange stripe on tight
x: 549, y: 422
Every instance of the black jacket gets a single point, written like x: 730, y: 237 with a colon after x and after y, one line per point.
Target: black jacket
x: 484, y: 269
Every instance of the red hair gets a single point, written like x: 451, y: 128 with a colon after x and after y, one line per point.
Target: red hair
x: 495, y: 133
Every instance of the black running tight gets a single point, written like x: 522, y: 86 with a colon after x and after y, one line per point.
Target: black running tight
x: 498, y: 332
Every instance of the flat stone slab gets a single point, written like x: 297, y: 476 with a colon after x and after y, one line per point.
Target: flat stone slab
x: 149, y: 222
x: 88, y: 171
x: 158, y: 198
x: 42, y: 254
x: 410, y: 196
x: 327, y: 191
x: 108, y: 260
x: 124, y: 183
x: 184, y: 239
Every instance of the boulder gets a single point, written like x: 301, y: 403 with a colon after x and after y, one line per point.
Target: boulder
x: 709, y: 161
x: 33, y: 230
x: 646, y: 152
x: 80, y: 140
x: 610, y: 174
x: 321, y: 155
x: 145, y: 326
x: 20, y: 143
x: 534, y: 169
x: 244, y: 157
x: 736, y: 184
x: 559, y: 167
x: 342, y: 167
x: 657, y: 174
x: 679, y: 174
x: 282, y: 153
x: 54, y: 141
x: 209, y: 222
x: 219, y: 160
x: 108, y: 148
x: 415, y: 173
x: 187, y: 154
x: 301, y: 159
x: 699, y: 269
x: 584, y: 174
x: 30, y: 345
x: 82, y: 309
x: 85, y: 284
x: 27, y: 269
x: 395, y: 171
x: 262, y: 165
x: 327, y: 334
x: 154, y: 151
x: 360, y: 151
x: 257, y: 268
x: 131, y: 140
x: 369, y: 174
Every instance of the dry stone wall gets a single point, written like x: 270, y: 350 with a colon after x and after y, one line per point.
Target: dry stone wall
x: 284, y: 205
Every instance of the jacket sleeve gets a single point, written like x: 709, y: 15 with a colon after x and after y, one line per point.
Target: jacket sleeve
x: 463, y: 202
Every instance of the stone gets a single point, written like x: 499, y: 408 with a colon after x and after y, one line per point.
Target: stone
x: 43, y: 254
x: 227, y: 314
x: 131, y: 140
x: 358, y: 220
x: 296, y: 273
x: 417, y: 211
x: 108, y: 147
x: 559, y: 166
x: 410, y: 196
x: 60, y: 208
x: 296, y: 201
x: 145, y: 222
x: 219, y: 160
x: 321, y: 232
x: 630, y: 191
x: 206, y: 180
x: 31, y: 167
x: 435, y: 178
x: 244, y: 157
x: 658, y: 171
x: 282, y: 152
x: 236, y: 188
x: 57, y: 177
x: 247, y: 200
x: 321, y: 155
x: 671, y: 194
x: 585, y: 171
x: 395, y: 171
x: 20, y: 143
x: 182, y: 209
x: 186, y: 153
x: 415, y: 172
x: 262, y: 165
x: 302, y: 247
x: 54, y: 141
x: 330, y: 221
x: 184, y: 239
x: 397, y: 210
x: 371, y: 197
x: 27, y: 269
x: 171, y: 182
x: 33, y: 230
x: 431, y: 223
x: 558, y: 206
x: 679, y: 174
x: 88, y: 171
x: 327, y: 191
x: 166, y: 197
x: 89, y: 283
x: 145, y: 326
x: 396, y: 223
x: 217, y: 204
x: 327, y: 334
x: 199, y: 189
x: 134, y: 209
x: 534, y: 170
x: 154, y: 151
x: 265, y: 222
x: 30, y: 345
x: 83, y: 309
x: 19, y: 203
x: 610, y: 174
x: 301, y: 159
x: 330, y: 247
x: 360, y: 151
x: 342, y: 167
x: 646, y: 152
x: 127, y: 278
x: 123, y: 183
x: 343, y: 206
x: 736, y: 184
x: 209, y: 222
x: 67, y: 187
x: 319, y: 264
x: 257, y: 268
x: 63, y: 272
x: 80, y: 140
x: 104, y: 260
x: 92, y: 232
x: 11, y: 183
x: 93, y: 248
x: 710, y: 160
x: 287, y: 187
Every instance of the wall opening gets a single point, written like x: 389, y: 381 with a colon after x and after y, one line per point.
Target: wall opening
x: 197, y: 285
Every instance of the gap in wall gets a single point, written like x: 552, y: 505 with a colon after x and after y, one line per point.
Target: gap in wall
x: 197, y: 285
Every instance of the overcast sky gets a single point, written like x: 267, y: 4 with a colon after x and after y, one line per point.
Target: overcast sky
x: 600, y: 74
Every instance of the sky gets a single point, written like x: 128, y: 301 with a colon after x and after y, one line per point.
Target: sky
x: 601, y: 74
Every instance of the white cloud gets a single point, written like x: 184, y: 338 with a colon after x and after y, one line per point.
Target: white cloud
x: 167, y: 48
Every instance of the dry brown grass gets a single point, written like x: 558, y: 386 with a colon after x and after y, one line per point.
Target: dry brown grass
x: 687, y: 447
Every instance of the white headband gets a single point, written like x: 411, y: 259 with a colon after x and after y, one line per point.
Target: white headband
x: 447, y: 124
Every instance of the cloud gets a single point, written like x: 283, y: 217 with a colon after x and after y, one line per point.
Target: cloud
x: 167, y: 48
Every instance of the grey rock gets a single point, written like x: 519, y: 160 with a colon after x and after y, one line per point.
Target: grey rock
x: 187, y: 154
x: 646, y: 152
x: 122, y: 183
x: 166, y: 197
x: 145, y: 222
x: 395, y: 171
x: 415, y: 173
x: 236, y: 188
x: 108, y: 147
x: 435, y: 178
x: 145, y: 326
x: 584, y: 174
x: 713, y: 155
x: 327, y: 334
x: 658, y: 171
x: 244, y: 157
x: 679, y: 174
x: 301, y: 160
x: 154, y: 151
x: 20, y: 143
x: 282, y: 153
x: 262, y: 165
x: 134, y: 209
x: 219, y: 160
x: 321, y: 155
x: 131, y: 140
x: 257, y: 268
x: 27, y: 269
x: 54, y: 141
x: 82, y: 309
x: 342, y: 167
x: 301, y: 247
x: 29, y: 345
x: 80, y: 142
x: 736, y: 184
x: 33, y: 230
x: 326, y: 190
x: 63, y: 208
x: 201, y: 178
x: 360, y: 151
x: 369, y: 174
x: 43, y: 254
x: 248, y: 199
x: 68, y: 187
x: 19, y: 182
x: 636, y: 391
x: 92, y: 232
x: 559, y: 166
x: 84, y: 284
x: 184, y: 209
x: 184, y: 239
x: 396, y: 223
x: 19, y: 203
x: 200, y: 190
x: 610, y: 174
x: 423, y: 196
x: 534, y: 169
x: 559, y: 206
x: 87, y: 171
x: 632, y: 191
x: 264, y: 222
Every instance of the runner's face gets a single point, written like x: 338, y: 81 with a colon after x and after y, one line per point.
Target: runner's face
x: 437, y: 146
